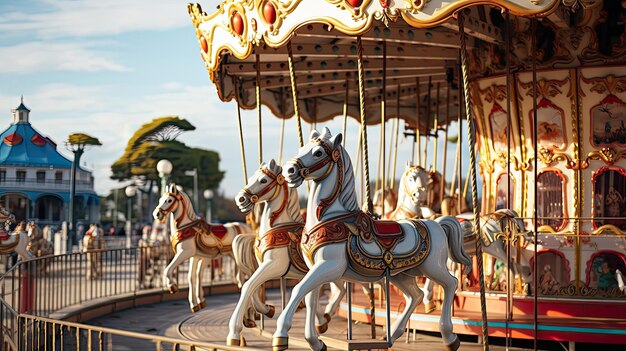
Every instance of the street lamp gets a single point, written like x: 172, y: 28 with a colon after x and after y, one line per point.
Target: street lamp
x: 208, y: 196
x: 130, y: 191
x: 164, y: 167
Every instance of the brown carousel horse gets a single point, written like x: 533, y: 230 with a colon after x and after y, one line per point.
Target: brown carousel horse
x: 18, y: 241
x: 38, y: 245
x: 194, y: 239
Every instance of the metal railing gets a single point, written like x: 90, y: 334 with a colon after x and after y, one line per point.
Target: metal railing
x: 33, y: 290
x: 34, y: 183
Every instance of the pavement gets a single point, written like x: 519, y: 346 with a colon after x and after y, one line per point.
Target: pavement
x: 173, y: 319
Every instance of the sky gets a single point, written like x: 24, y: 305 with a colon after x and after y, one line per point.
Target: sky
x: 107, y: 67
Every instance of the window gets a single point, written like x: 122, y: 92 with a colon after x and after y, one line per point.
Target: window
x: 20, y: 176
x: 550, y: 200
x: 3, y: 175
x: 58, y: 177
x: 609, y: 201
x: 41, y: 177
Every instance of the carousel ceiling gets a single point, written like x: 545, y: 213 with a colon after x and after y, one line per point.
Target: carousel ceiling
x: 411, y: 45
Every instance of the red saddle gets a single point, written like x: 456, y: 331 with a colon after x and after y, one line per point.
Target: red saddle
x: 388, y: 232
x: 218, y: 230
x: 4, y: 235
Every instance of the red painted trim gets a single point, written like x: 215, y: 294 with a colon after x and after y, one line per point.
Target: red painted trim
x: 594, y: 177
x: 596, y: 254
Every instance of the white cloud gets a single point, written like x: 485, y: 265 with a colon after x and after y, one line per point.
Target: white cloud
x: 55, y: 56
x: 63, y: 18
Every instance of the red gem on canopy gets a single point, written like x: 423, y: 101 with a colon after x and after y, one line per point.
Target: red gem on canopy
x: 38, y: 140
x: 13, y: 139
x: 354, y: 3
x: 269, y: 12
x: 384, y: 3
x: 204, y: 45
x: 236, y: 23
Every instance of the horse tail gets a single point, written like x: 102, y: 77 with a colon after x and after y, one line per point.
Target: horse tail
x: 454, y: 234
x: 243, y: 252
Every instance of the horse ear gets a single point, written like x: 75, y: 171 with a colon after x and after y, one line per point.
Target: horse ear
x: 272, y: 165
x: 407, y: 165
x: 171, y: 188
x: 314, y: 135
x: 336, y: 140
x: 326, y: 134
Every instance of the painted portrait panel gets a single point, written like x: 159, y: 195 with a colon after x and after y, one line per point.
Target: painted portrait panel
x: 498, y: 124
x: 550, y: 121
x: 608, y: 121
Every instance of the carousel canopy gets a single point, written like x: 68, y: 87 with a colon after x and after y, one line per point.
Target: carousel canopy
x: 412, y: 45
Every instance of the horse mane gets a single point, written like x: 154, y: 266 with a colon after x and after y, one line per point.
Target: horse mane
x: 348, y: 191
x: 293, y: 205
x: 191, y: 214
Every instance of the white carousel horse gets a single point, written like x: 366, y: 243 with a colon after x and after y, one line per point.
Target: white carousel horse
x: 194, y: 239
x: 277, y: 247
x: 492, y: 227
x: 342, y: 242
x: 18, y: 241
x: 391, y: 200
x: 38, y: 245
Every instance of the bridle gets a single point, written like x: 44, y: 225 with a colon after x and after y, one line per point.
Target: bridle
x: 277, y: 183
x: 406, y: 190
x: 333, y: 156
x: 170, y: 208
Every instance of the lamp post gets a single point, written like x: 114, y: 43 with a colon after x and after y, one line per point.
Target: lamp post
x: 208, y: 196
x: 194, y: 174
x: 130, y: 191
x: 164, y: 167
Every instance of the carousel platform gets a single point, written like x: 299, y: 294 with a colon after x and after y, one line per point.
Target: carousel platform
x: 173, y: 319
x: 571, y: 320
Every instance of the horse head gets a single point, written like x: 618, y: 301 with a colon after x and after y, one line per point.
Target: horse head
x: 168, y: 203
x: 264, y: 185
x: 6, y: 215
x: 315, y: 160
x: 416, y: 181
x: 33, y: 230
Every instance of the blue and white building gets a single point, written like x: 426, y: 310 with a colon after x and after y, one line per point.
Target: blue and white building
x: 35, y: 177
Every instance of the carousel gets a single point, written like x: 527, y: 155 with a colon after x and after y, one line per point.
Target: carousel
x: 537, y: 87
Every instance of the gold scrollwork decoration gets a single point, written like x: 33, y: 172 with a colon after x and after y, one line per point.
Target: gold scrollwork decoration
x: 494, y: 92
x: 415, y: 6
x: 356, y: 7
x: 280, y: 11
x: 609, y: 84
x: 607, y: 154
x: 548, y: 157
x: 501, y: 159
x: 609, y: 229
x: 546, y: 88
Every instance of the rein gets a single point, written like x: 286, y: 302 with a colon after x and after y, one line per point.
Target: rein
x: 333, y: 156
x: 277, y: 183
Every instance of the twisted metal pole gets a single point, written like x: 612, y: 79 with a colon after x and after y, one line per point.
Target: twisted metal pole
x: 418, y: 145
x: 471, y: 134
x: 258, y: 105
x: 241, y: 144
x: 294, y: 94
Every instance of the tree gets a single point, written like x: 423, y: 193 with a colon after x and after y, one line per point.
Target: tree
x: 156, y: 140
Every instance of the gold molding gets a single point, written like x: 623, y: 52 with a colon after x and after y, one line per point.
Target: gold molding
x: 548, y: 157
x: 607, y: 154
x: 612, y: 229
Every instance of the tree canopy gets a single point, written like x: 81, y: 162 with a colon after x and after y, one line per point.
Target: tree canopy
x: 156, y: 140
x: 82, y: 139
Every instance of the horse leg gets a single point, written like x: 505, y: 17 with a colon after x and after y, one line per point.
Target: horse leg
x: 182, y: 254
x: 412, y: 295
x: 199, y: 291
x: 192, y: 280
x: 323, y: 271
x: 449, y: 284
x: 266, y: 271
x: 337, y: 291
x: 310, y: 332
x: 429, y: 305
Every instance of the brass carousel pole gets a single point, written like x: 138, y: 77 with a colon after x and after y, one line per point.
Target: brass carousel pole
x: 459, y: 145
x: 509, y: 292
x: 418, y: 146
x: 368, y: 195
x: 282, y: 126
x: 471, y: 131
x: 395, y: 146
x: 428, y: 103
x: 445, y: 147
x: 383, y: 121
x: 345, y: 113
x: 294, y: 94
x: 258, y: 105
x: 535, y: 165
x: 436, y: 130
x: 241, y: 144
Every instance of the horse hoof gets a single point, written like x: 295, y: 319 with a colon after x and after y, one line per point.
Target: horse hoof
x: 454, y: 345
x: 236, y: 342
x: 202, y: 304
x: 280, y: 343
x: 323, y: 347
x: 327, y: 317
x: 195, y: 308
x: 429, y: 308
x: 249, y: 323
x: 321, y: 329
x: 271, y: 312
x: 173, y: 289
